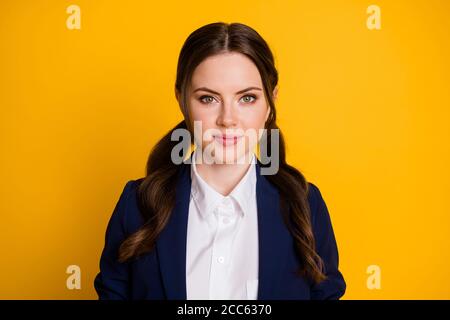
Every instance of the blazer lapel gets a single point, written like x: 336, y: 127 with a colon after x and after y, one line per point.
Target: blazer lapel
x: 274, y: 237
x: 171, y: 243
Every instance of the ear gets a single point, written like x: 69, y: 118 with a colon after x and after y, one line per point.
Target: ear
x: 275, y: 93
x: 267, y: 113
x: 177, y: 95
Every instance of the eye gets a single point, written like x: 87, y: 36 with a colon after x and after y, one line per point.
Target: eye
x: 206, y: 99
x: 248, y: 98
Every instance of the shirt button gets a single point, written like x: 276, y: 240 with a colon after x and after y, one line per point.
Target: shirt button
x: 220, y: 259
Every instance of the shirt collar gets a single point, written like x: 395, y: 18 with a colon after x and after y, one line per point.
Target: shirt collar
x: 207, y: 199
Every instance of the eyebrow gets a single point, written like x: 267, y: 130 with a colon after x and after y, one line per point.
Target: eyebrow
x: 239, y: 92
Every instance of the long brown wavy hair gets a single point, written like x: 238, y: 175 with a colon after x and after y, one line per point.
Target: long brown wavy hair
x: 156, y: 192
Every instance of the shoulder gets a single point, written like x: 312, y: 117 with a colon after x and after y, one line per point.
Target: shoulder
x: 314, y: 194
x: 128, y: 207
x: 128, y: 197
x: 131, y: 186
x: 318, y: 207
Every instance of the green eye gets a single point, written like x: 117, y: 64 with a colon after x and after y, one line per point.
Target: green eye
x: 248, y: 98
x: 206, y: 99
x: 210, y: 99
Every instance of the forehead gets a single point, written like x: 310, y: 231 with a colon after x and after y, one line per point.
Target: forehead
x: 226, y: 71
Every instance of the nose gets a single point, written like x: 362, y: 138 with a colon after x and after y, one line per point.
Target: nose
x: 227, y: 116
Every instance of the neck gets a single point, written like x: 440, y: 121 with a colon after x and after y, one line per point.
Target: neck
x: 223, y: 177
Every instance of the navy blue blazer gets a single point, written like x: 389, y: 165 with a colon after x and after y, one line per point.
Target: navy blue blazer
x: 161, y: 273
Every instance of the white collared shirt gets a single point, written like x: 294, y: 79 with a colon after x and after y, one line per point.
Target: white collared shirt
x: 222, y: 240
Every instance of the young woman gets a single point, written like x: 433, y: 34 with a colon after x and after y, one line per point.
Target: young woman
x: 215, y: 226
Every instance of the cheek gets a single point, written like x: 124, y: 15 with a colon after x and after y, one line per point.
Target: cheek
x: 255, y: 118
x: 253, y: 123
x: 202, y: 114
x: 202, y: 119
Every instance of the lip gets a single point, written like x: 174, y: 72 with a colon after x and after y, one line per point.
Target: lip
x: 227, y: 140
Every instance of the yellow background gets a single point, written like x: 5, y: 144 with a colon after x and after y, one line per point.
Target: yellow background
x: 365, y: 114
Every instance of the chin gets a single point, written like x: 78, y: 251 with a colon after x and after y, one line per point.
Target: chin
x: 230, y: 155
x: 218, y: 153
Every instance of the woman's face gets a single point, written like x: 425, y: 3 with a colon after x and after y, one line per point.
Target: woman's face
x: 226, y: 98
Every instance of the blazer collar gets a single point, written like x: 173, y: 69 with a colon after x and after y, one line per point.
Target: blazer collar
x: 273, y: 236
